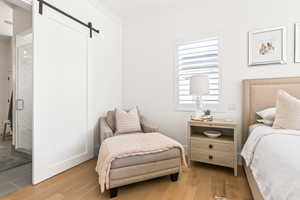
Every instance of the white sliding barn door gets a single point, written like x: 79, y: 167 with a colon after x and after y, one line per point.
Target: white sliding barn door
x: 61, y: 138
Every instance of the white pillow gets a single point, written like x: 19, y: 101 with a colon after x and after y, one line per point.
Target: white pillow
x: 265, y: 122
x: 127, y: 122
x: 267, y: 114
x: 288, y: 111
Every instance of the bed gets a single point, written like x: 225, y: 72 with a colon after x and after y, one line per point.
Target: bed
x: 271, y: 156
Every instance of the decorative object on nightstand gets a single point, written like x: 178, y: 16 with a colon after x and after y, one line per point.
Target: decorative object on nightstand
x: 212, y: 134
x: 207, y: 116
x: 220, y: 150
x: 199, y: 88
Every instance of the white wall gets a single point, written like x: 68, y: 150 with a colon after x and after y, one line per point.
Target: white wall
x: 105, y: 66
x: 5, y: 63
x: 22, y: 20
x: 150, y: 34
x: 6, y: 19
x: 6, y: 13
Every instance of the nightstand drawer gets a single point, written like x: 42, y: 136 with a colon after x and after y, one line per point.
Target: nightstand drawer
x: 212, y: 157
x: 209, y: 144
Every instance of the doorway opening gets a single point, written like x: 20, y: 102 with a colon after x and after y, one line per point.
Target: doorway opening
x: 16, y: 95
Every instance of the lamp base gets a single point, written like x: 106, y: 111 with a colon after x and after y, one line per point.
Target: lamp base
x: 197, y: 115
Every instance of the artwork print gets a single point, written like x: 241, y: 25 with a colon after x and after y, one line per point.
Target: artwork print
x: 267, y: 46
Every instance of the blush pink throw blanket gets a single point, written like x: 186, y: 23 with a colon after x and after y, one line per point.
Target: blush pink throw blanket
x: 131, y: 145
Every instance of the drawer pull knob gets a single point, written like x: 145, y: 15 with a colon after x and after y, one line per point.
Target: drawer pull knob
x: 210, y: 146
x: 210, y: 157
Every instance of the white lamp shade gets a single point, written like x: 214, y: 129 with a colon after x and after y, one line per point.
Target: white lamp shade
x: 199, y: 85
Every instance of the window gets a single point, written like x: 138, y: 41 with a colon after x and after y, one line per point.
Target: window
x: 197, y: 58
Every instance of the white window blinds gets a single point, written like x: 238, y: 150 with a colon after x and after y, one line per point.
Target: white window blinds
x: 198, y: 58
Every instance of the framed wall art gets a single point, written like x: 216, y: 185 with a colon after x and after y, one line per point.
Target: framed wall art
x: 267, y: 46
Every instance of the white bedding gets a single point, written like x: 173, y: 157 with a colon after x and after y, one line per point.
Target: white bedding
x: 253, y: 126
x: 273, y: 156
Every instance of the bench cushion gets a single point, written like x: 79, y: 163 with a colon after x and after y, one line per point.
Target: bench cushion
x: 143, y: 159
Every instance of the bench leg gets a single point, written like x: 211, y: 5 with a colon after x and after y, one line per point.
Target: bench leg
x: 113, y: 192
x: 174, y: 177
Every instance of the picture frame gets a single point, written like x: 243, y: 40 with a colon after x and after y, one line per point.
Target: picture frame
x: 297, y: 42
x: 267, y: 46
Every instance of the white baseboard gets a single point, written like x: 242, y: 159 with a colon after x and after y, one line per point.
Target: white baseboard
x: 29, y: 152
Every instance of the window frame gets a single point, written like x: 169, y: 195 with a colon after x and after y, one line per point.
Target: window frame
x: 192, y: 107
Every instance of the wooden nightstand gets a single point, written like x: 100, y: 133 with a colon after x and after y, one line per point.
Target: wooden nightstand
x: 218, y: 151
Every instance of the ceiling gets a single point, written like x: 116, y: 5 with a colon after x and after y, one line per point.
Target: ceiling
x: 26, y: 4
x: 125, y: 8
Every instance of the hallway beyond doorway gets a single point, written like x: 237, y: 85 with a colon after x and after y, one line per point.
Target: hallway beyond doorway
x: 9, y: 158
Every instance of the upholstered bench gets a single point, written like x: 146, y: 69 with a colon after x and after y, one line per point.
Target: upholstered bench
x: 138, y: 168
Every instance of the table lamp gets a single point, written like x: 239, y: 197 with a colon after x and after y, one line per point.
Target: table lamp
x: 198, y: 89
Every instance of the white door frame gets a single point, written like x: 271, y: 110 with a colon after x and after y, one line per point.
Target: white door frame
x: 21, y: 39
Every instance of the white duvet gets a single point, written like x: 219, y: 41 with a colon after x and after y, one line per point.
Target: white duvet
x: 273, y: 155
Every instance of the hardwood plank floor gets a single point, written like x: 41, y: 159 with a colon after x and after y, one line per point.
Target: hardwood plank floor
x: 201, y: 182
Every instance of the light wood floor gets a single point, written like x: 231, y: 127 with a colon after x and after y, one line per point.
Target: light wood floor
x: 201, y: 182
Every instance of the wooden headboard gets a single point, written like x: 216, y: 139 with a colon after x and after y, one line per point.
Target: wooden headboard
x: 259, y: 94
